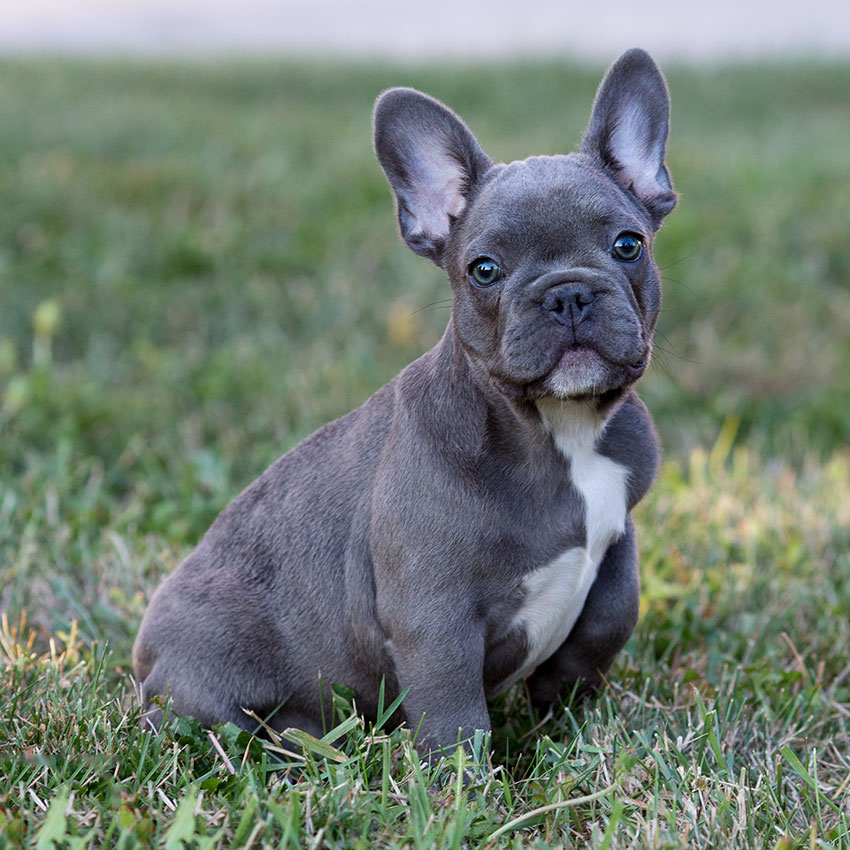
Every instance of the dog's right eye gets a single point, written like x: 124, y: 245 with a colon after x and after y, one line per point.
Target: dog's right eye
x: 484, y: 271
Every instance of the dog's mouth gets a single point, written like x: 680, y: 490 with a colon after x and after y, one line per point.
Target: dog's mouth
x: 581, y: 373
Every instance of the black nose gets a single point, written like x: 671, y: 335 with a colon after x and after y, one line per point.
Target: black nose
x: 569, y: 303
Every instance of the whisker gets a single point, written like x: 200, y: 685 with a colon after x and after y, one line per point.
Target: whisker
x: 676, y: 262
x: 672, y: 353
x: 659, y: 360
x: 671, y: 350
x: 441, y: 303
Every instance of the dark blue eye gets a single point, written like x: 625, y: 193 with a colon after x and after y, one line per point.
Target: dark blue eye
x: 628, y: 247
x: 484, y: 271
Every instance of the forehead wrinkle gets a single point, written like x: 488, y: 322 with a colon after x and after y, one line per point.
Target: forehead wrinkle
x: 559, y: 187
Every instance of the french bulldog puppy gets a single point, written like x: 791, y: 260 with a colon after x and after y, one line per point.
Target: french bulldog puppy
x: 469, y: 525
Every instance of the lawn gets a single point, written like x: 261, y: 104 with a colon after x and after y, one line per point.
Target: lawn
x: 199, y: 266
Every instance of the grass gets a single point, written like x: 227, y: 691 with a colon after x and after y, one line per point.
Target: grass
x: 198, y: 266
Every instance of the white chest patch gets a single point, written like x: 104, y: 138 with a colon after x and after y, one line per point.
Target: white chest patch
x: 555, y: 593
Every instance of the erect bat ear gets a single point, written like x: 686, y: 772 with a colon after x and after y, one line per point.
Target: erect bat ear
x: 431, y: 160
x: 628, y: 129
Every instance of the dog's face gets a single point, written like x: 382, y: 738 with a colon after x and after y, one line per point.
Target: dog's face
x: 550, y: 258
x: 555, y: 289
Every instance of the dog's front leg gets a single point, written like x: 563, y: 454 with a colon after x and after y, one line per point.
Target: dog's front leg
x: 607, y: 620
x: 443, y: 669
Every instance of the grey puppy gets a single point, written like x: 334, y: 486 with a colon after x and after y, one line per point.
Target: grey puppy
x: 469, y: 524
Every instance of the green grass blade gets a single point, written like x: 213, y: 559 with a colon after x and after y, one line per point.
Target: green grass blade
x: 314, y: 745
x: 53, y: 831
x: 181, y: 833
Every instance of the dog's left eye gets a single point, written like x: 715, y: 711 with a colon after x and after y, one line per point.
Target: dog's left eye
x: 628, y: 247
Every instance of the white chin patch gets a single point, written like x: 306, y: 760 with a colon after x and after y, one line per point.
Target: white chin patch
x: 579, y: 372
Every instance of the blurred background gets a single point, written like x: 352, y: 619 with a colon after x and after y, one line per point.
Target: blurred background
x: 199, y: 262
x: 472, y: 29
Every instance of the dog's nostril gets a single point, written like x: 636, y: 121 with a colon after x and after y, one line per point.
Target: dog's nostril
x: 568, y: 302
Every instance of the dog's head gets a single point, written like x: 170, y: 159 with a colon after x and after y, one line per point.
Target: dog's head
x: 550, y: 258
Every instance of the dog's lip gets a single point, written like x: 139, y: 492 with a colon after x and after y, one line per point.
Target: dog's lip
x: 582, y: 354
x: 637, y: 367
x: 573, y: 356
x: 578, y: 355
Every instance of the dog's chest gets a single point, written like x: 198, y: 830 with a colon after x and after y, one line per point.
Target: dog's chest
x: 554, y: 594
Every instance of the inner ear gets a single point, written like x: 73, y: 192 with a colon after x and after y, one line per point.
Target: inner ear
x: 431, y: 160
x: 639, y: 150
x: 434, y: 191
x: 628, y: 130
